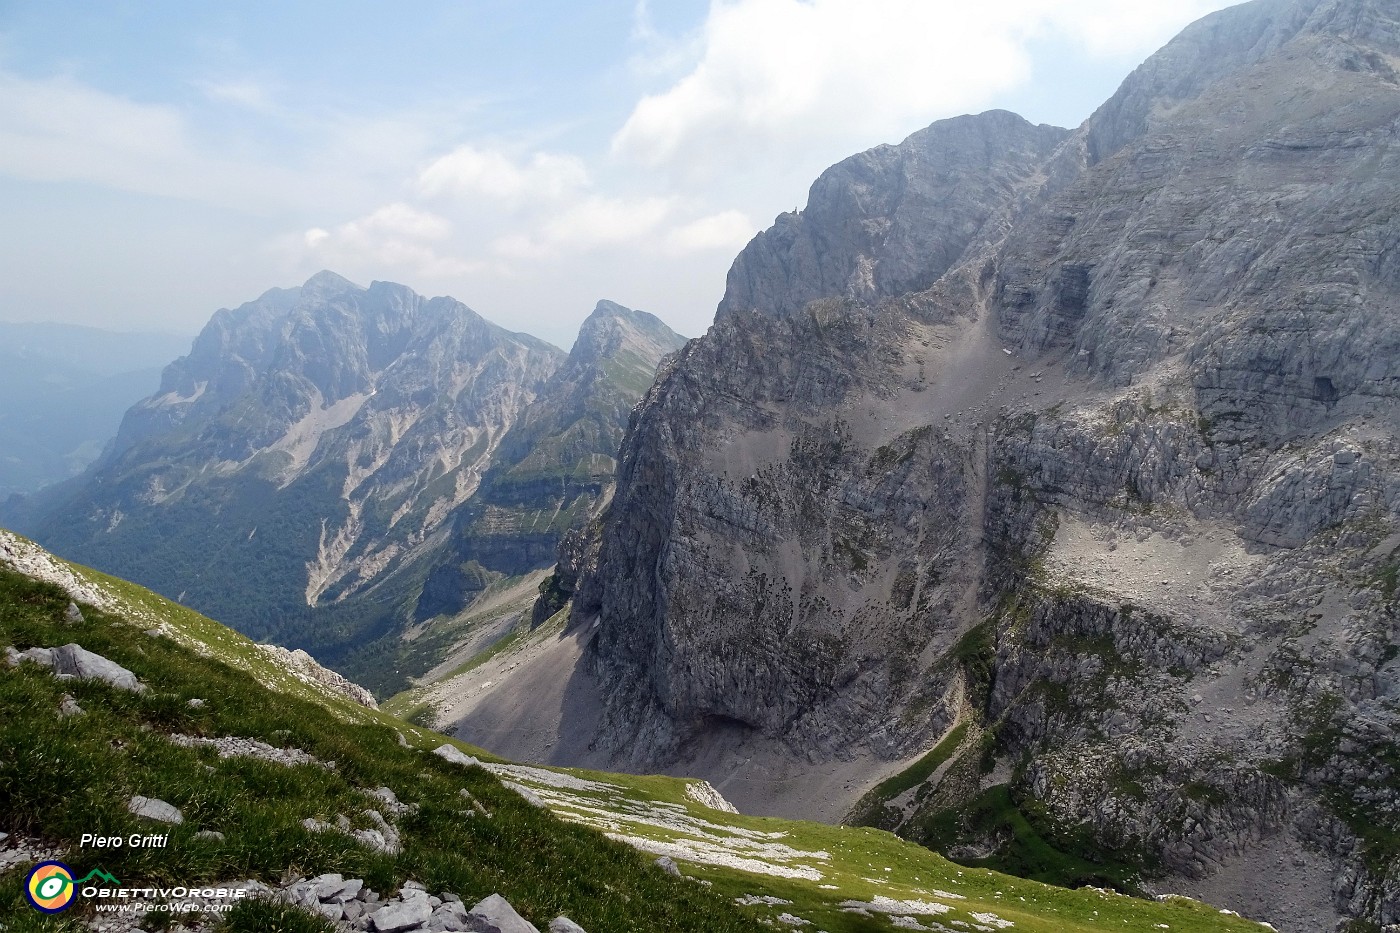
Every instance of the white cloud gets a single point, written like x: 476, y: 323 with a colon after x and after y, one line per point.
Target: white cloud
x: 592, y: 222
x: 1114, y: 29
x: 395, y: 236
x: 468, y: 171
x: 58, y: 129
x: 247, y: 93
x: 726, y: 231
x: 778, y: 77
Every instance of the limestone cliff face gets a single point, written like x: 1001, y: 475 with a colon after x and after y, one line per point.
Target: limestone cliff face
x: 895, y: 218
x: 555, y: 468
x: 1087, y: 442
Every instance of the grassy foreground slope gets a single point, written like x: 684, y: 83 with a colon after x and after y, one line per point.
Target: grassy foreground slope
x: 64, y: 776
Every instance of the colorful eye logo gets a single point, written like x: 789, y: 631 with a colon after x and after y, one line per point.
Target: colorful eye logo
x: 49, y: 887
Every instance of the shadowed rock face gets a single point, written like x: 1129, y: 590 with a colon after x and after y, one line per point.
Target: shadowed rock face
x: 1089, y: 439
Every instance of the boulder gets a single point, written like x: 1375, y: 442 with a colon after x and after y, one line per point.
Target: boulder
x: 401, y: 915
x: 455, y: 755
x: 327, y: 886
x: 451, y: 917
x: 77, y: 661
x: 529, y: 796
x: 72, y: 615
x: 153, y: 809
x: 40, y: 656
x: 565, y: 925
x: 495, y: 915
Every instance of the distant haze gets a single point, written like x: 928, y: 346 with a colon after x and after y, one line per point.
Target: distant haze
x: 65, y: 390
x: 525, y: 160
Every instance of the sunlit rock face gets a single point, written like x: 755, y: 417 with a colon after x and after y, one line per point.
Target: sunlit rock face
x: 1085, y: 439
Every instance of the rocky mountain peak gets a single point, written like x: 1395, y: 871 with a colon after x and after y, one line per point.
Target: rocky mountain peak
x: 327, y: 283
x: 612, y: 328
x: 894, y: 218
x: 1093, y: 448
x: 1222, y: 43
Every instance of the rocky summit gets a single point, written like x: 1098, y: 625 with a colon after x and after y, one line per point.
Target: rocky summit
x: 1052, y: 477
x: 332, y: 463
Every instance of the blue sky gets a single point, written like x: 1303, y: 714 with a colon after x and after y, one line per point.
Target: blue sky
x: 160, y: 160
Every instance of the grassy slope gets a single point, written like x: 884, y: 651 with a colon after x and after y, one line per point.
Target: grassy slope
x: 440, y: 637
x: 62, y: 777
x: 863, y: 863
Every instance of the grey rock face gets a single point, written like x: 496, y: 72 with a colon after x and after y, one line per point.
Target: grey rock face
x: 1139, y: 445
x: 77, y: 661
x: 153, y: 809
x: 894, y: 219
x: 555, y: 467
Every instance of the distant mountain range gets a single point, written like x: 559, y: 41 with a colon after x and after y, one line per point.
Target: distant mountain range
x: 1035, y: 494
x: 331, y: 464
x: 65, y: 389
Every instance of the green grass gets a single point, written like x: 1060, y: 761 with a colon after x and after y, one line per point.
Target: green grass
x: 920, y: 771
x: 64, y: 777
x: 1025, y: 850
x: 863, y: 862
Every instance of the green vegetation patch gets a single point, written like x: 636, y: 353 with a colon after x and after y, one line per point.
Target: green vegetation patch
x: 1023, y: 844
x: 62, y: 777
x: 870, y: 806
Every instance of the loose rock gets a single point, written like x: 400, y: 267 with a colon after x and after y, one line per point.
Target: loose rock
x: 77, y: 661
x: 153, y: 809
x: 455, y: 755
x: 495, y: 915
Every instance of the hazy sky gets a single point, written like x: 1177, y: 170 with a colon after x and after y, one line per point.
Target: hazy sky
x: 159, y: 160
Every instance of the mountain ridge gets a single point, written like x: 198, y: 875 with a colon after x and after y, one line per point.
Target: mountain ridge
x: 1112, y: 495
x: 302, y: 468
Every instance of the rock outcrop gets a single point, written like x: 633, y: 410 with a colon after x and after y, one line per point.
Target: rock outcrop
x: 555, y: 468
x: 1085, y: 442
